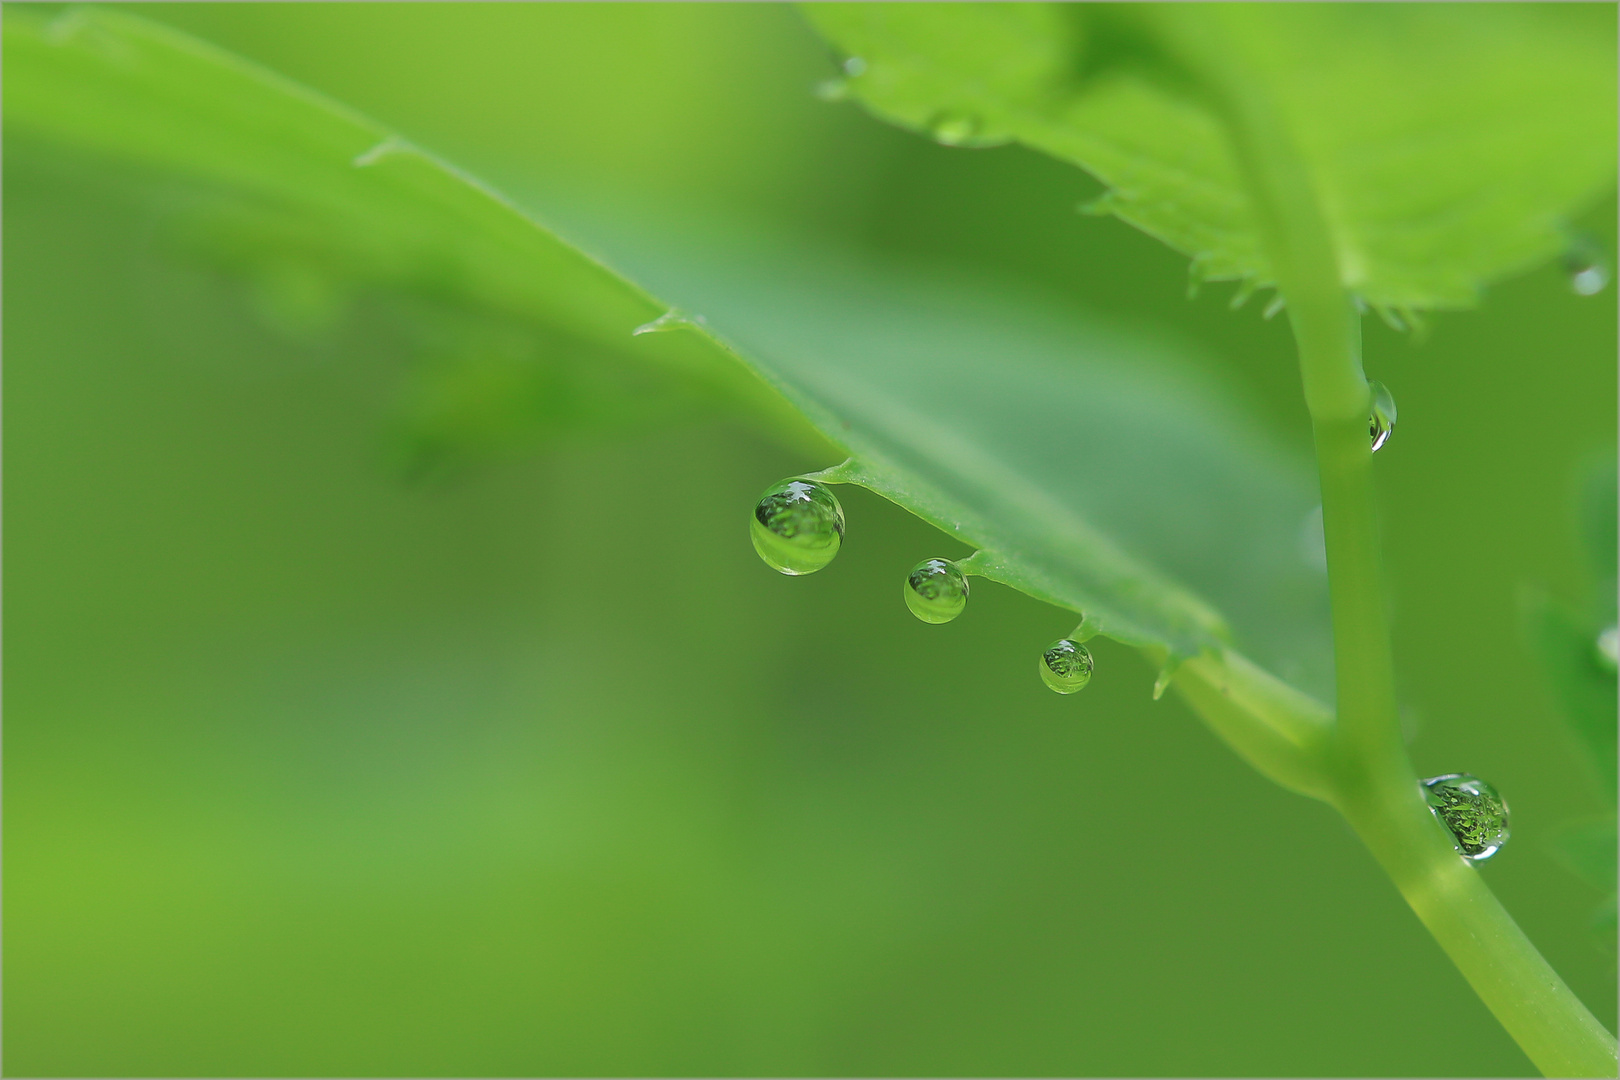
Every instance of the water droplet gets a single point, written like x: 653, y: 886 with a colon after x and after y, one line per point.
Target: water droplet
x: 936, y: 591
x: 1382, y: 421
x: 797, y: 527
x: 1066, y: 666
x: 1586, y: 266
x: 1608, y: 649
x: 1473, y: 812
x: 957, y: 129
x: 854, y: 67
x: 673, y: 319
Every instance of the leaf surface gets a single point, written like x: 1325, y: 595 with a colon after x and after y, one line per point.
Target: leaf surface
x: 1446, y: 143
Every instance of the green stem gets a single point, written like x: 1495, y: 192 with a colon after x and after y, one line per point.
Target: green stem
x: 1373, y: 783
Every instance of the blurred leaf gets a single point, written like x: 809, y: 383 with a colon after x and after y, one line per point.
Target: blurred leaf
x: 1082, y: 462
x: 1583, y: 684
x: 1446, y: 143
x: 313, y: 204
x: 1599, y: 528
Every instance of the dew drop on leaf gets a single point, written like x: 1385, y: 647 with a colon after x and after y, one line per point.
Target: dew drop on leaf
x: 797, y: 526
x: 1471, y: 810
x: 936, y: 591
x: 854, y: 67
x: 957, y: 129
x: 1066, y: 666
x: 1586, y: 266
x: 1382, y: 421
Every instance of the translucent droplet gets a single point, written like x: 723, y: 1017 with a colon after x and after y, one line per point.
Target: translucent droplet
x: 1586, y: 266
x: 1608, y: 648
x: 1066, y: 666
x: 854, y: 67
x: 936, y: 591
x: 957, y: 129
x: 673, y: 319
x: 797, y: 527
x: 1473, y: 812
x: 1382, y: 421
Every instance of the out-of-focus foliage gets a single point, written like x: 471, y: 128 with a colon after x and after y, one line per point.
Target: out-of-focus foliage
x: 1575, y: 649
x: 1447, y: 144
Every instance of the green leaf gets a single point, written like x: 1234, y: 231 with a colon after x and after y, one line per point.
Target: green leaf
x: 1086, y: 465
x: 1446, y: 144
x: 1091, y: 466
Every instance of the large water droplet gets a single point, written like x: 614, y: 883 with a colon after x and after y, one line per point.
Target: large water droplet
x: 936, y: 591
x: 1586, y: 266
x: 1066, y: 666
x: 1473, y: 812
x: 797, y: 527
x: 1382, y: 421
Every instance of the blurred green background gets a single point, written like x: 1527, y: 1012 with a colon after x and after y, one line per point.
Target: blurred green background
x: 315, y: 766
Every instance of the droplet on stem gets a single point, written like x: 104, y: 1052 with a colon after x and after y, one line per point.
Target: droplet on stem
x: 936, y: 591
x: 1066, y: 666
x: 1382, y: 420
x: 797, y: 527
x: 1471, y: 811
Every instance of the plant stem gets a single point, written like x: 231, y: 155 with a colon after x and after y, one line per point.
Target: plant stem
x: 1374, y: 784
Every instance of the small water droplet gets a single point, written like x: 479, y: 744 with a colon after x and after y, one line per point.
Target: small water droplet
x: 797, y: 527
x: 936, y: 591
x: 1473, y: 812
x: 958, y: 129
x: 1066, y: 666
x: 1608, y: 649
x: 673, y: 319
x: 854, y: 67
x: 1587, y: 266
x: 1381, y: 423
